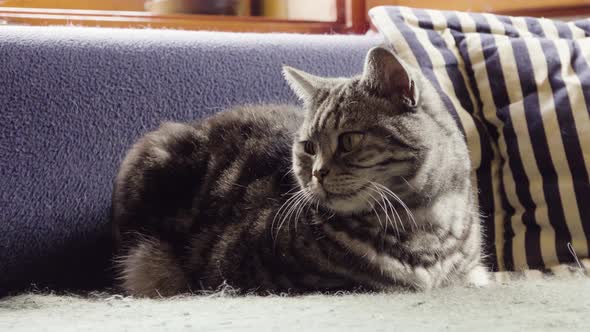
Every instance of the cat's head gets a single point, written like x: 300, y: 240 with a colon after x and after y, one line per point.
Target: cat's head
x: 363, y: 135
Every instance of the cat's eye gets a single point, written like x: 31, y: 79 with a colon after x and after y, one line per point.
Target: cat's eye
x: 349, y: 141
x: 308, y: 147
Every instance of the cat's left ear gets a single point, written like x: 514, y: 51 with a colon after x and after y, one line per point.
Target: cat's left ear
x: 386, y: 76
x: 303, y: 84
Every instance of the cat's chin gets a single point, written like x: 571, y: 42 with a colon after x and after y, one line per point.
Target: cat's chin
x: 346, y: 207
x: 341, y: 203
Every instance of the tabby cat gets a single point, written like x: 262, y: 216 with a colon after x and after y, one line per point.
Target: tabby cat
x: 368, y: 188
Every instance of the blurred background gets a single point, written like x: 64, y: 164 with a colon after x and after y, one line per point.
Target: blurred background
x: 314, y: 10
x: 308, y: 16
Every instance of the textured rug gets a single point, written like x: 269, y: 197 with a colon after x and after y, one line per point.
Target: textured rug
x: 537, y: 304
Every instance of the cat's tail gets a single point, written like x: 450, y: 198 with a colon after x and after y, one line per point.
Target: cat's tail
x: 149, y: 268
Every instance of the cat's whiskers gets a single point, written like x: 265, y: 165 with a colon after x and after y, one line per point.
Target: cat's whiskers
x: 393, y: 209
x: 403, y: 204
x: 291, y: 191
x: 372, y: 206
x: 395, y: 218
x: 290, y: 171
x: 376, y: 213
x: 384, y: 209
x: 303, y: 207
x: 399, y: 200
x: 317, y: 205
x: 294, y: 208
x: 286, y: 207
x: 331, y: 215
x: 386, y: 206
x: 313, y: 199
x: 298, y: 202
x: 408, y: 183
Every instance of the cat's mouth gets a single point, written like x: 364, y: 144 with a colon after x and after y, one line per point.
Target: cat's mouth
x: 345, y: 202
x: 326, y: 193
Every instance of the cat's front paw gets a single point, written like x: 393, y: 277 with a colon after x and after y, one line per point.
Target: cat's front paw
x: 478, y: 277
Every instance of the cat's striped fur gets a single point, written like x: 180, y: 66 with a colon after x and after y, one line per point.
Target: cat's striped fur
x: 369, y: 188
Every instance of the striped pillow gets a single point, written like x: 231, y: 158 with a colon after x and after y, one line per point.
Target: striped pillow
x: 509, y: 75
x: 542, y: 128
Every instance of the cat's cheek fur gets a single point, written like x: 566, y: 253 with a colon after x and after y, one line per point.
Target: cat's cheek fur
x: 301, y: 168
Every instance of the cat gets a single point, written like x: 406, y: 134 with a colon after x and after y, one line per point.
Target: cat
x: 365, y: 188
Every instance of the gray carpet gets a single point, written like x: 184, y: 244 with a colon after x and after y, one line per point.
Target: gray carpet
x: 533, y: 305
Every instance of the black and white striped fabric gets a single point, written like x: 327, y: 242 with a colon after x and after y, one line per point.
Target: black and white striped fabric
x: 520, y: 89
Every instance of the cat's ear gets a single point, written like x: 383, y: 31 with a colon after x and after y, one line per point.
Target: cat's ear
x: 386, y: 76
x: 303, y: 84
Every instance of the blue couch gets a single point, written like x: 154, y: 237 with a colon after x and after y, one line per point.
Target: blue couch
x: 72, y: 100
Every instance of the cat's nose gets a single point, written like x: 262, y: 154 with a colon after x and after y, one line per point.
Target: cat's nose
x: 321, y: 173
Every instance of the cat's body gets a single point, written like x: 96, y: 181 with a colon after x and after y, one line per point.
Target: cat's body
x: 270, y: 198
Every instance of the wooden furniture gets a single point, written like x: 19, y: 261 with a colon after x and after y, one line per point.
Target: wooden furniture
x: 351, y: 18
x: 114, y: 5
x: 351, y: 14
